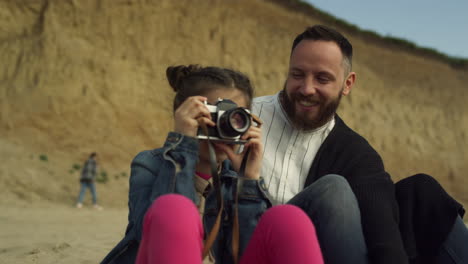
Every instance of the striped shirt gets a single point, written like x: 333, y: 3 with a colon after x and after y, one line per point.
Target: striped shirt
x: 288, y: 152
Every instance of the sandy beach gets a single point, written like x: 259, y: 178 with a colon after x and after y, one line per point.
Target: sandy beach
x: 51, y: 233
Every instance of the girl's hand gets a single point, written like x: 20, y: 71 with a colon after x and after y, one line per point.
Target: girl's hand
x: 189, y: 113
x: 254, y: 161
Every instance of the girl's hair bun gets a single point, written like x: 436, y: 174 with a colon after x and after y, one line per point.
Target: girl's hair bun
x: 176, y: 74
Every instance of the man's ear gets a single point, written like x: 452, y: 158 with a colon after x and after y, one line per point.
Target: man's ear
x: 349, y: 82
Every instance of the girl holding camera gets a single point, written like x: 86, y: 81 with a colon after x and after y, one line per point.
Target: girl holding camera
x: 188, y: 202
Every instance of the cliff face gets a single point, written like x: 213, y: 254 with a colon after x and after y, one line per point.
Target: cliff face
x: 80, y: 76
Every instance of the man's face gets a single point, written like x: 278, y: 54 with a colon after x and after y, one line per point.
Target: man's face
x: 316, y: 81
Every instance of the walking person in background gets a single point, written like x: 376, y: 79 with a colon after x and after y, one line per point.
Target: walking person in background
x: 87, y: 181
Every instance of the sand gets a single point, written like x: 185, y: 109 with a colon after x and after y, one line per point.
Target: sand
x: 51, y: 233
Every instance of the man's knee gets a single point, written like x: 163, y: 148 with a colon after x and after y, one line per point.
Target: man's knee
x: 331, y: 194
x: 420, y: 186
x: 332, y: 185
x: 419, y: 179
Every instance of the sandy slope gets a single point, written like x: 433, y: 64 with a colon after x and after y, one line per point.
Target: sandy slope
x: 50, y: 233
x: 81, y: 76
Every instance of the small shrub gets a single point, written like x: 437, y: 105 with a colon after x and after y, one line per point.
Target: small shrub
x: 123, y: 174
x: 43, y: 157
x: 76, y: 166
x: 102, y: 177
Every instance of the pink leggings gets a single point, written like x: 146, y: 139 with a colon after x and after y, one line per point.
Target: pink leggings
x: 173, y: 233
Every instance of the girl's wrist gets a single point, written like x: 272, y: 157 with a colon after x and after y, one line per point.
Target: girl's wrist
x: 252, y: 176
x: 186, y: 133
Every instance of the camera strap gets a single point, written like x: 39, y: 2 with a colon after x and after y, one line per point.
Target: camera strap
x: 219, y: 197
x: 238, y: 190
x: 235, y: 228
x: 210, y: 239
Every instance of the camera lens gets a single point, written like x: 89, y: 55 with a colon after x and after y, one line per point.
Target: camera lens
x: 234, y: 122
x: 237, y: 120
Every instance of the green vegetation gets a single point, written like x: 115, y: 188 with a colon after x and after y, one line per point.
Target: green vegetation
x: 121, y: 175
x: 43, y: 157
x: 76, y: 166
x: 388, y: 41
x: 102, y: 177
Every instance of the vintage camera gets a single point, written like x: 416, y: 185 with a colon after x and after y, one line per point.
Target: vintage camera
x: 231, y: 122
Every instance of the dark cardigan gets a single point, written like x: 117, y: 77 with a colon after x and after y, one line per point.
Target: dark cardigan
x: 346, y: 153
x: 427, y: 214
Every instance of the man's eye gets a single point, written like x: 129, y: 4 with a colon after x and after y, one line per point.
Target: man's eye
x: 323, y: 80
x: 296, y: 75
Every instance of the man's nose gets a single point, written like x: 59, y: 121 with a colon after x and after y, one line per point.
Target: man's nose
x: 308, y: 87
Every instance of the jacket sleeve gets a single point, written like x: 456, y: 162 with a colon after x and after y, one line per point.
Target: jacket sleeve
x: 346, y: 153
x: 161, y: 171
x: 375, y: 193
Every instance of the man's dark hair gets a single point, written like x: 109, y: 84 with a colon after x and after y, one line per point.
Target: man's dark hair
x: 321, y: 32
x: 92, y: 155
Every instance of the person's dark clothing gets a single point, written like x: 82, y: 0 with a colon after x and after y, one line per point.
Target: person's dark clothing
x: 88, y: 173
x: 346, y: 153
x: 427, y: 215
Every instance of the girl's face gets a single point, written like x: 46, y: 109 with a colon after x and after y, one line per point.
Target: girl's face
x: 234, y: 95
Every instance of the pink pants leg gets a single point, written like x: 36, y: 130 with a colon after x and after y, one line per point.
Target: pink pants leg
x: 284, y: 234
x: 173, y: 234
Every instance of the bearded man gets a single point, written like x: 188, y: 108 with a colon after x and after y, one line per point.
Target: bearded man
x: 312, y: 159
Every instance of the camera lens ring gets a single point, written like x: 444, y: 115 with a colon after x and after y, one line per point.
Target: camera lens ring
x: 234, y: 122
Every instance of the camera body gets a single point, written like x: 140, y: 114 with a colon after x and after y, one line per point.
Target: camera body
x: 231, y: 122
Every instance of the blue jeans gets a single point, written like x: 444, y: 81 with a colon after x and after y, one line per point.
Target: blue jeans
x: 333, y: 208
x: 455, y: 248
x: 92, y: 188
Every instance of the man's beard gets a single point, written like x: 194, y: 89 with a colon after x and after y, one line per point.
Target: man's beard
x: 302, y: 121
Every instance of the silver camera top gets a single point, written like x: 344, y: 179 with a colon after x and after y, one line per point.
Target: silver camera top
x: 231, y: 121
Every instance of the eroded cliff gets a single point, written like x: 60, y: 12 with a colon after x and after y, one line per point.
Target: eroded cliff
x: 80, y: 76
